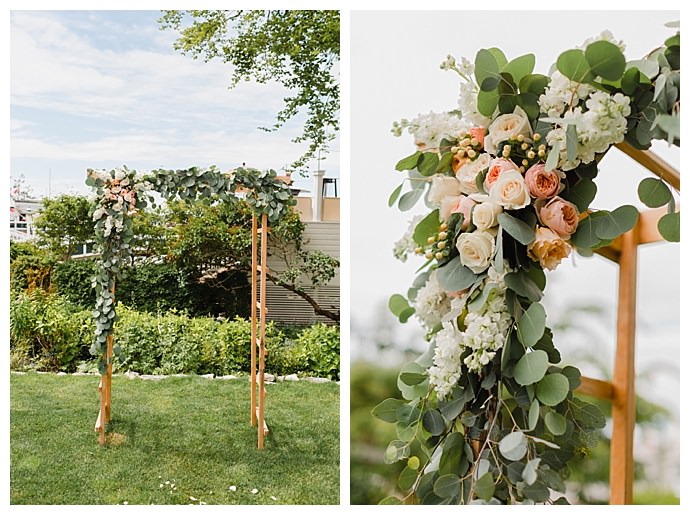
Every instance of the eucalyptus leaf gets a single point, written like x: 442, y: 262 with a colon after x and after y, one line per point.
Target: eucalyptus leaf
x: 487, y: 101
x: 555, y: 422
x: 553, y: 389
x: 531, y: 368
x: 397, y: 303
x: 426, y: 227
x: 407, y: 478
x: 454, y: 276
x: 582, y: 194
x: 396, y: 451
x: 409, y: 162
x: 513, y: 446
x: 521, y: 284
x: 453, y: 450
x: 552, y: 158
x: 529, y: 473
x: 433, y: 422
x: 669, y: 227
x: 484, y: 487
x: 410, y: 199
x: 428, y: 164
x: 485, y: 66
x: 612, y: 224
x: 533, y: 416
x: 516, y: 228
x: 654, y: 192
x: 531, y: 325
x: 574, y: 65
x: 447, y: 486
x: 394, y: 196
x: 390, y: 500
x: 605, y: 59
x: 571, y: 141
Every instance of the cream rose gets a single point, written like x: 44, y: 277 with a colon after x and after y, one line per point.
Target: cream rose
x: 543, y: 184
x: 485, y: 215
x: 476, y: 250
x: 560, y: 216
x: 548, y: 248
x: 496, y: 168
x: 505, y: 126
x: 443, y: 186
x: 510, y: 191
x: 467, y: 174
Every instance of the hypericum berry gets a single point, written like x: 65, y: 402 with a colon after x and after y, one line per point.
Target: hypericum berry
x: 429, y: 255
x: 454, y: 150
x: 442, y: 235
x: 444, y: 226
x: 474, y: 142
x: 522, y: 169
x: 471, y: 153
x: 439, y: 255
x: 513, y: 137
x: 520, y: 138
x: 506, y: 148
x: 525, y: 162
x: 530, y: 154
x: 418, y: 250
x: 506, y: 153
x: 430, y: 240
x: 541, y: 153
x: 537, y: 136
x: 441, y: 245
x: 524, y: 146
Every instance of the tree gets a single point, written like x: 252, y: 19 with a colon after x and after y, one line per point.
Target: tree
x: 210, y: 241
x: 298, y: 49
x: 64, y: 223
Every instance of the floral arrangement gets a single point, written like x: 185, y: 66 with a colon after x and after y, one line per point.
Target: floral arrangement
x: 488, y: 414
x: 121, y: 192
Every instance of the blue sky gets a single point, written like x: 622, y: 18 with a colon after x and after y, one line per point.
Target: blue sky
x: 99, y: 89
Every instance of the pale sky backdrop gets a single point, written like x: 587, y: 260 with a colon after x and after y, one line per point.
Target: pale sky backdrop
x: 100, y: 89
x: 395, y: 73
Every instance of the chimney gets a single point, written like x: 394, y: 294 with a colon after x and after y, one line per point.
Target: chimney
x: 317, y: 199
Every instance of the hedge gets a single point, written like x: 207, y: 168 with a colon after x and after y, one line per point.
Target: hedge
x: 47, y: 332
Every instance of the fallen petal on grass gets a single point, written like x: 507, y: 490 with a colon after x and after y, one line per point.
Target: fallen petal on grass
x: 255, y: 491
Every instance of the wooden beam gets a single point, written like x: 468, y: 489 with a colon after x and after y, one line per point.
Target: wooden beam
x: 653, y: 163
x: 253, y: 321
x: 623, y: 405
x: 595, y: 388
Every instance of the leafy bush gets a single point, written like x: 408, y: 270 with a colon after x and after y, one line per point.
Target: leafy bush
x: 30, y: 267
x: 72, y: 280
x: 318, y: 351
x: 47, y: 332
x: 50, y: 333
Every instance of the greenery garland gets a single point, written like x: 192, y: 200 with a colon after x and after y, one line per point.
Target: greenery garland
x: 488, y: 413
x: 121, y: 193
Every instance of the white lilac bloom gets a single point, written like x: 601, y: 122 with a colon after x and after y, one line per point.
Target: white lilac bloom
x: 432, y: 302
x: 561, y: 94
x: 600, y: 126
x: 406, y: 245
x: 485, y: 333
x: 605, y: 35
x: 429, y: 129
x: 467, y: 103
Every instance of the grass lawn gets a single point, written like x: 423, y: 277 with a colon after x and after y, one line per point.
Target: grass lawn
x: 190, y: 432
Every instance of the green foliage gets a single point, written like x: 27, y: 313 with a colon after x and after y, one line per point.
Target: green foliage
x: 48, y: 332
x: 72, y: 280
x: 298, y: 49
x: 30, y: 267
x: 63, y: 223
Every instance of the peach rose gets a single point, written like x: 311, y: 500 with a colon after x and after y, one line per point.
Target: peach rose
x: 560, y: 216
x: 459, y: 162
x: 479, y: 133
x: 459, y: 204
x: 467, y: 173
x: 476, y: 250
x: 510, y: 191
x: 443, y: 186
x: 548, y: 248
x: 505, y: 126
x: 496, y: 168
x: 543, y: 184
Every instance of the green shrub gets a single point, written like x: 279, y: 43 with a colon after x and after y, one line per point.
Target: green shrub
x: 30, y: 267
x: 48, y: 331
x: 72, y: 280
x: 318, y: 351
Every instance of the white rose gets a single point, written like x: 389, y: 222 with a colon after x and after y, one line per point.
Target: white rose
x: 510, y: 191
x: 485, y: 215
x: 505, y: 126
x: 443, y: 186
x: 476, y: 250
x: 467, y: 174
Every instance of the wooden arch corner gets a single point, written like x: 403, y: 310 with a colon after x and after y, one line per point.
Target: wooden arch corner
x: 621, y: 391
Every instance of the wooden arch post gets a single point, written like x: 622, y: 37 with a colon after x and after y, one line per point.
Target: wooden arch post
x: 621, y: 392
x: 104, y: 388
x: 258, y: 343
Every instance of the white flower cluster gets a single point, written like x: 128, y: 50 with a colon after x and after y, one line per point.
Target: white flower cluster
x: 406, y: 245
x: 432, y: 302
x: 601, y: 125
x: 485, y: 333
x: 429, y: 129
x: 605, y: 35
x: 562, y: 93
x: 467, y: 103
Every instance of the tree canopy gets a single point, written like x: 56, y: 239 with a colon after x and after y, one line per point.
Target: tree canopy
x: 298, y: 49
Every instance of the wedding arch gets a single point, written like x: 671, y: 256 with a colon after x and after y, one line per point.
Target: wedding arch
x: 488, y: 413
x: 120, y: 194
